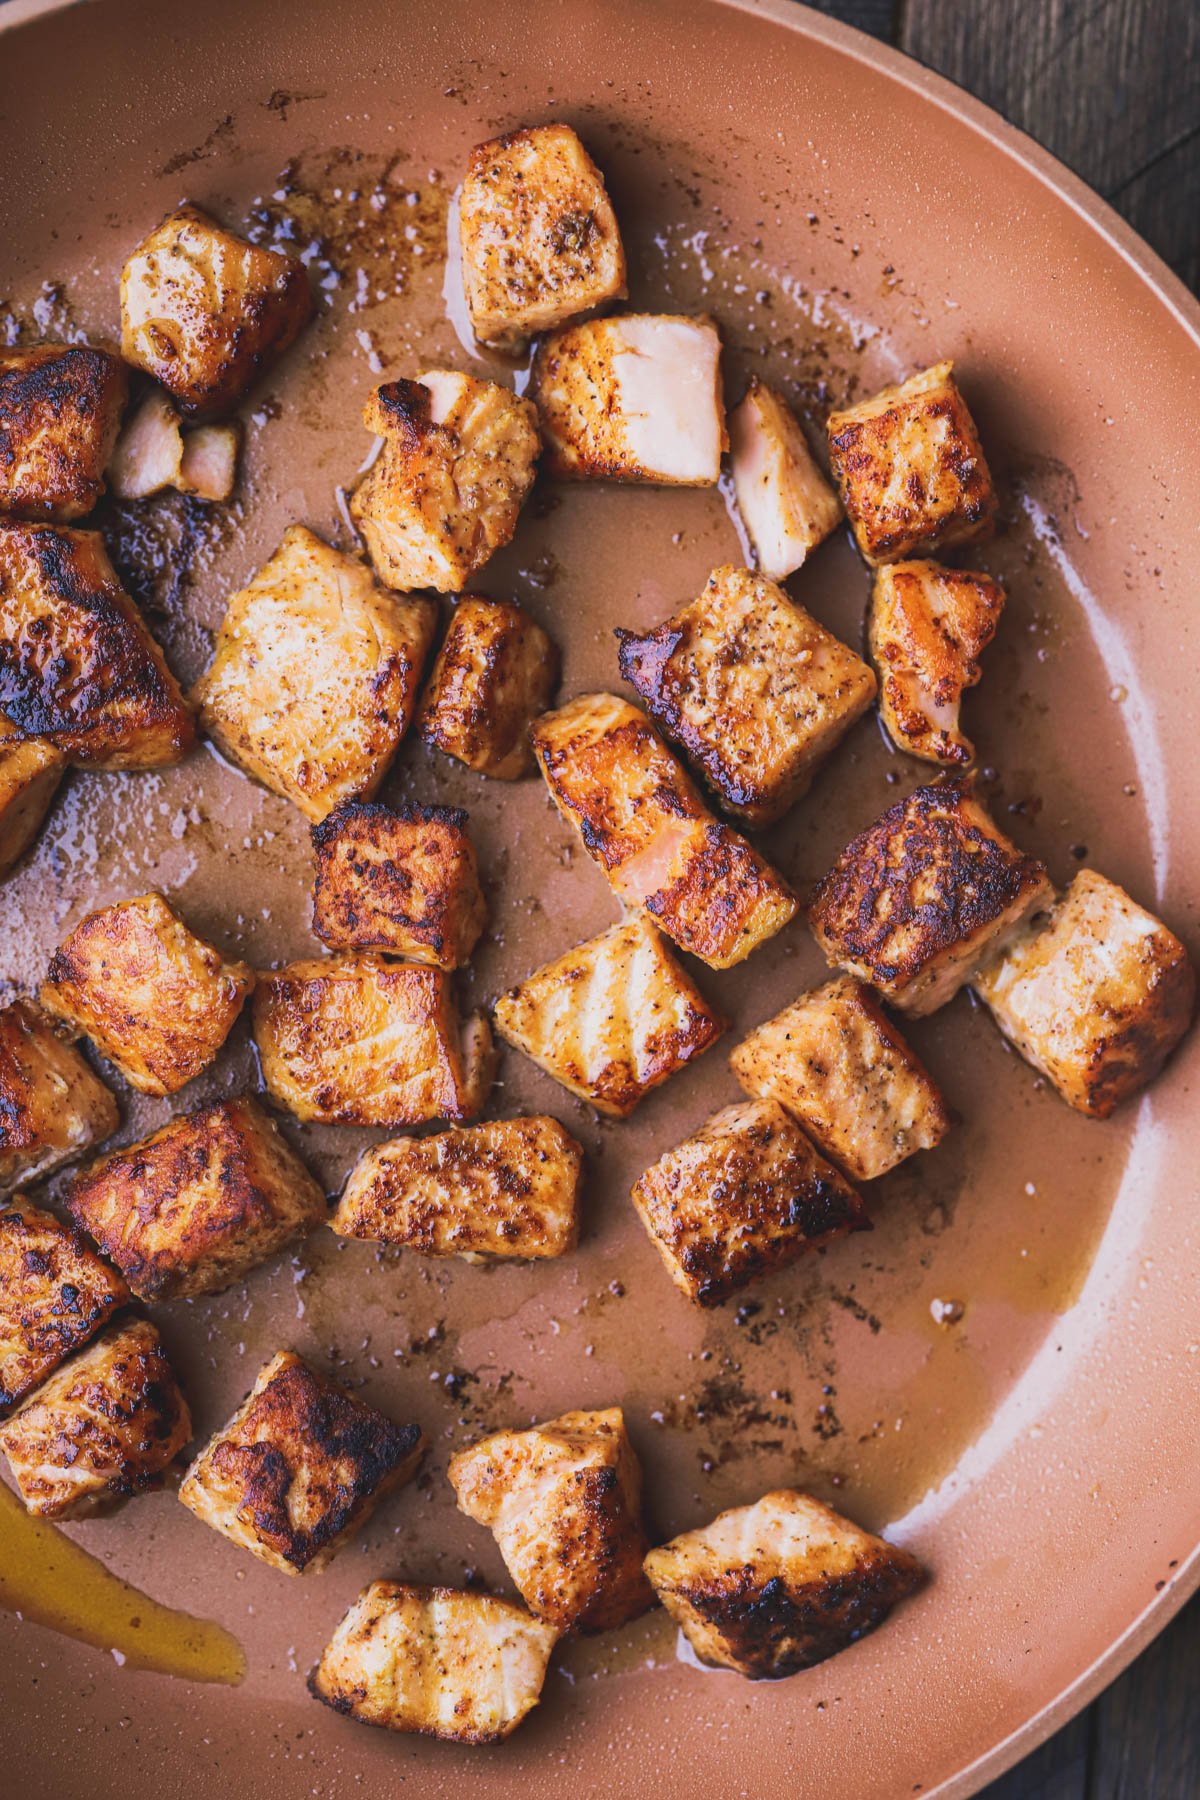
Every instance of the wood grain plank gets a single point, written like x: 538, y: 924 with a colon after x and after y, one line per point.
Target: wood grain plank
x: 1147, y: 1725
x: 1058, y: 1770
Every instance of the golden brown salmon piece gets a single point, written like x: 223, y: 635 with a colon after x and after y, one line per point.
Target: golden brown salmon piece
x: 539, y: 239
x: 154, y: 998
x: 315, y: 677
x: 509, y: 1188
x: 642, y: 820
x: 928, y: 625
x: 496, y: 670
x: 55, y: 1294
x: 445, y: 491
x: 106, y: 1425
x: 785, y: 502
x: 752, y: 689
x: 462, y: 1666
x: 299, y: 1467
x: 1096, y: 995
x: 834, y: 1061
x: 52, y: 1107
x: 206, y: 313
x: 60, y: 409
x: 78, y: 668
x: 30, y: 773
x: 564, y: 1502
x: 911, y: 469
x: 611, y: 1018
x: 635, y: 398
x: 198, y: 1203
x: 401, y: 879
x: 779, y: 1586
x: 359, y: 1040
x: 917, y: 902
x: 745, y: 1195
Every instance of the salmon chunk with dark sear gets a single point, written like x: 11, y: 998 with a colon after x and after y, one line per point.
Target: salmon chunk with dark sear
x: 496, y: 670
x: 60, y: 410
x: 55, y: 1294
x: 52, y: 1106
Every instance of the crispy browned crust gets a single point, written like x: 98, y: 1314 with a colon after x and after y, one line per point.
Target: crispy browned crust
x: 52, y: 1106
x: 496, y: 670
x: 195, y: 1205
x: 207, y: 348
x: 77, y: 665
x: 55, y: 1294
x: 725, y: 902
x: 107, y: 1425
x: 403, y: 879
x: 30, y: 772
x: 299, y: 1447
x: 60, y: 409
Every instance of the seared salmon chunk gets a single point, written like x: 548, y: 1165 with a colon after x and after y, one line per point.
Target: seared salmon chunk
x: 928, y: 626
x: 52, y: 1106
x: 785, y: 502
x: 30, y: 771
x: 55, y: 1294
x: 496, y: 670
x: 60, y: 409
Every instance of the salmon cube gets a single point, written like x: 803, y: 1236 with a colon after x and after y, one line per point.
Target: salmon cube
x: 785, y: 502
x: 55, y: 1294
x: 564, y: 1502
x: 610, y: 1019
x: 153, y: 997
x: 539, y: 239
x: 779, y: 1586
x: 466, y: 1667
x: 106, y: 1425
x: 636, y: 398
x: 52, y: 1107
x: 315, y: 677
x: 834, y: 1061
x: 919, y: 901
x: 445, y: 491
x: 755, y: 692
x: 298, y: 1468
x: 78, y: 668
x: 208, y: 466
x: 205, y: 312
x: 1096, y: 995
x: 509, y: 1188
x: 641, y: 819
x: 30, y: 771
x: 404, y: 880
x: 358, y: 1040
x: 911, y: 469
x: 495, y: 672
x: 193, y: 1207
x: 60, y: 409
x: 149, y: 452
x: 744, y: 1196
x: 928, y: 625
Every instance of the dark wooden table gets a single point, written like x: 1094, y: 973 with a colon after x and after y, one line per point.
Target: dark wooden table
x: 1113, y: 88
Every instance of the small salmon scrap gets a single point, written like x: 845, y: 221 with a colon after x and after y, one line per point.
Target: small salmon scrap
x: 496, y: 670
x: 785, y: 502
x: 52, y: 1106
x: 30, y: 772
x: 928, y: 626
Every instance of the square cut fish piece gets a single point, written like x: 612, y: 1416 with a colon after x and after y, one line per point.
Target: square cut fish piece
x: 52, y: 1106
x: 564, y: 1503
x: 779, y: 1586
x: 314, y: 681
x: 60, y: 410
x: 641, y: 819
x: 467, y: 1667
x: 154, y: 998
x: 785, y: 502
x: 611, y: 1018
x: 509, y: 1188
x: 299, y: 1467
x: 358, y: 1040
x: 928, y: 625
x: 635, y: 398
x: 191, y: 1208
x: 911, y: 469
x: 745, y: 1195
x: 152, y: 453
x: 496, y: 670
x: 401, y: 879
x: 1096, y: 995
x: 30, y: 773
x: 834, y: 1061
x: 755, y: 692
x: 78, y: 668
x: 538, y: 235
x: 55, y: 1294
x: 106, y: 1425
x: 446, y: 489
x: 919, y: 901
x: 205, y: 312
